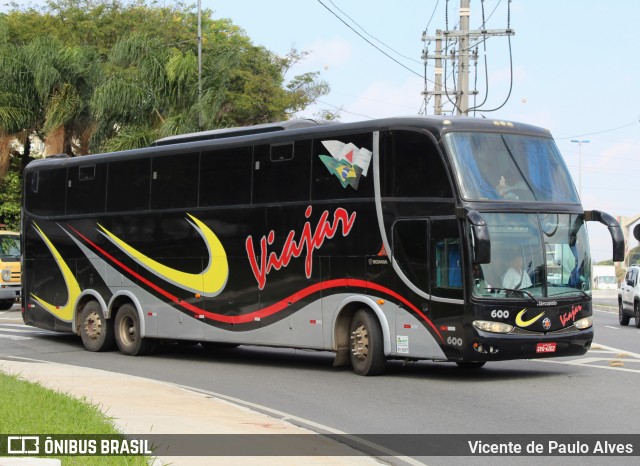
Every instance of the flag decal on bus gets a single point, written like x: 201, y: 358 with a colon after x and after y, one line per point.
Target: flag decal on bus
x: 347, y: 162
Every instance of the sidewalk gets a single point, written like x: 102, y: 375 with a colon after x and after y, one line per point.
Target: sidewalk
x: 142, y: 406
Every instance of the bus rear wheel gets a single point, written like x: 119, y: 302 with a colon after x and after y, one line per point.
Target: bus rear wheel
x: 96, y: 331
x: 367, y: 352
x: 127, y: 331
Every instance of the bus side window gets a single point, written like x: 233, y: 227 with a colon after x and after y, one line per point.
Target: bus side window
x: 447, y: 260
x: 128, y: 185
x: 281, y: 172
x: 325, y: 181
x: 47, y: 194
x: 413, y: 167
x: 174, y: 181
x: 225, y: 177
x: 85, y: 189
x: 410, y: 250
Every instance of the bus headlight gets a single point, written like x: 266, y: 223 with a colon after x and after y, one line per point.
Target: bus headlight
x: 493, y: 327
x: 6, y: 275
x: 584, y: 323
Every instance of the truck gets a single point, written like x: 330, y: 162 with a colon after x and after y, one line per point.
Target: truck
x: 604, y: 277
x: 10, y: 268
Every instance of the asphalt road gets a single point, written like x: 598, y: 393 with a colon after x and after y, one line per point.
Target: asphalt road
x: 595, y: 393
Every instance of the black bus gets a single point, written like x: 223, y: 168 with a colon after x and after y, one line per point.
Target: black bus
x: 448, y: 239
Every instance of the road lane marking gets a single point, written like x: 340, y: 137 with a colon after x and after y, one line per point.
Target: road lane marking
x: 15, y: 337
x: 616, y: 360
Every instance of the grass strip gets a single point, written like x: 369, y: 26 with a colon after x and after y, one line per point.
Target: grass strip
x: 30, y: 408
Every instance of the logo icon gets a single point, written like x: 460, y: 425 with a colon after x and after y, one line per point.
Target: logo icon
x: 347, y: 162
x: 526, y: 323
x: 546, y: 323
x: 23, y: 445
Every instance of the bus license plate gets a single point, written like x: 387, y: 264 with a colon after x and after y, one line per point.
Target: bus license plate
x: 546, y: 348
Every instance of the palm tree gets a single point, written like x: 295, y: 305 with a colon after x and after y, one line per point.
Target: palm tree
x: 45, y: 89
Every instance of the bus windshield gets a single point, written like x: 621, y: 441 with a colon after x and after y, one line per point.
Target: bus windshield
x: 512, y: 167
x: 534, y: 256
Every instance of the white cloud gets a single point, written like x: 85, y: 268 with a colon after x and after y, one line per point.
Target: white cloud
x: 383, y: 99
x: 331, y: 53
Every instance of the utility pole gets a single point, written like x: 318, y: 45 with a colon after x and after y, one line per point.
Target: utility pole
x: 462, y: 38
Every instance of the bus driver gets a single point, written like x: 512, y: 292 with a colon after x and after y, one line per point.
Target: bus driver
x: 516, y: 277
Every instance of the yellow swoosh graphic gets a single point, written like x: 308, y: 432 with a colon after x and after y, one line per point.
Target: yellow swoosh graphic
x: 526, y: 323
x: 64, y: 312
x: 210, y: 282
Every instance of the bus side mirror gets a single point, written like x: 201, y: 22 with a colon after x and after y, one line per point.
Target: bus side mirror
x: 481, y: 243
x: 614, y: 229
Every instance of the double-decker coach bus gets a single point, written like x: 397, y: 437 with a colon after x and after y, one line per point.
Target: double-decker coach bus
x: 447, y: 239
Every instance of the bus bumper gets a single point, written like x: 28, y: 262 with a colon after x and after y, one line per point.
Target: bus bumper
x: 487, y: 346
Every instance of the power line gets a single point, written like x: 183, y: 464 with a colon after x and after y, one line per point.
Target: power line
x: 368, y: 41
x: 601, y: 132
x: 374, y: 38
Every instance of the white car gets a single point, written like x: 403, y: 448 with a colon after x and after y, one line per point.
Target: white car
x: 629, y: 297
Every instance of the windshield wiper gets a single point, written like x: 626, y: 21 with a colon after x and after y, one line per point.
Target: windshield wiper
x: 572, y: 290
x: 515, y: 291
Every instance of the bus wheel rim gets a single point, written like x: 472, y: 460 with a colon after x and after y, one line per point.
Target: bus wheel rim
x: 93, y: 326
x: 360, y: 343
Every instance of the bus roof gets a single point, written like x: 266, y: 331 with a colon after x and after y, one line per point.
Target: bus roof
x: 240, y: 131
x: 297, y: 128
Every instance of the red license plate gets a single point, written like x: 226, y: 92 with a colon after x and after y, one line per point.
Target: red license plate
x: 546, y: 348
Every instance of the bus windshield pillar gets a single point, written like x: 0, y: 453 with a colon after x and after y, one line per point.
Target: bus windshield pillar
x: 480, y: 238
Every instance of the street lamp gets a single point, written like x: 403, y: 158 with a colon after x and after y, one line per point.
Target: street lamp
x: 580, y: 142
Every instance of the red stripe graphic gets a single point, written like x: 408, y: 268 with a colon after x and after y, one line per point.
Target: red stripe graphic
x: 269, y: 310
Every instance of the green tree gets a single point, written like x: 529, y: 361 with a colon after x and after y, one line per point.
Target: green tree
x: 10, y: 200
x: 80, y: 80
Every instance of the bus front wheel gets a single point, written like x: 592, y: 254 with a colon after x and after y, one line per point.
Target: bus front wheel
x: 96, y: 331
x: 128, y: 335
x: 367, y: 352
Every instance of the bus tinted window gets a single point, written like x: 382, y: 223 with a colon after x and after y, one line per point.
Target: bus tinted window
x: 46, y: 193
x: 446, y: 259
x: 225, y: 177
x: 281, y: 177
x: 512, y: 167
x: 410, y: 249
x: 85, y: 189
x: 174, y: 181
x: 128, y: 185
x: 413, y: 167
x: 334, y: 176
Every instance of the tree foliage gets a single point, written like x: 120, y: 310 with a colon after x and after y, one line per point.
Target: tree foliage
x: 10, y: 200
x: 101, y: 75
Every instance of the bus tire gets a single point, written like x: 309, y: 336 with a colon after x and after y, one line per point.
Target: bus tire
x: 367, y: 352
x: 636, y: 313
x: 95, y: 330
x: 127, y: 331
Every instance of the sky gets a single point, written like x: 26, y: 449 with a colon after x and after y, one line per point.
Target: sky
x: 575, y: 71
